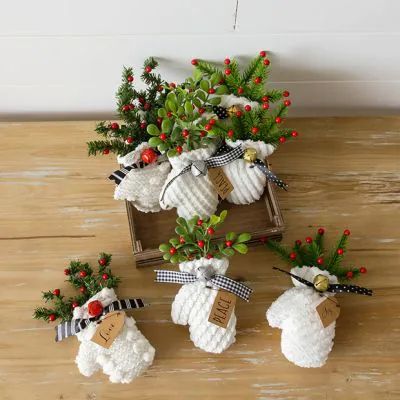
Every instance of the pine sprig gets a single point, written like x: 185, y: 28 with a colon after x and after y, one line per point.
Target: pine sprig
x: 312, y: 253
x: 195, y: 240
x: 82, y: 277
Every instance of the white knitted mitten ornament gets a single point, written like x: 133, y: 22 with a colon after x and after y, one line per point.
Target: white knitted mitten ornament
x: 190, y: 194
x: 304, y: 341
x: 248, y: 181
x: 193, y: 304
x: 142, y: 186
x: 129, y: 355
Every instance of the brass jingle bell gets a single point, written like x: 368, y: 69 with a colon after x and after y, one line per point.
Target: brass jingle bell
x: 232, y: 110
x: 321, y: 283
x: 250, y: 155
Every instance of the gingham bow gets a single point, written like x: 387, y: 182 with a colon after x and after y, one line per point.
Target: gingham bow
x: 200, y: 167
x: 333, y: 287
x: 220, y: 281
x: 70, y: 328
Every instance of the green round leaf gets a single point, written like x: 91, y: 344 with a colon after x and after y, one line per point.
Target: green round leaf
x: 204, y: 85
x: 164, y: 247
x: 153, y: 130
x: 222, y: 89
x: 243, y: 237
x: 166, y: 125
x: 215, y: 101
x: 162, y: 112
x: 155, y: 141
x: 240, y: 248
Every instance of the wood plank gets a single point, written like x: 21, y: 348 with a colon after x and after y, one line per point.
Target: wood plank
x: 56, y: 204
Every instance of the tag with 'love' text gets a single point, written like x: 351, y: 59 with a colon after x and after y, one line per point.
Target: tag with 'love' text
x: 108, y: 329
x: 328, y: 311
x: 222, y: 309
x: 222, y: 184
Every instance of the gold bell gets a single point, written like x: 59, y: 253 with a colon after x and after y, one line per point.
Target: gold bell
x: 250, y: 155
x: 321, y: 283
x: 232, y: 110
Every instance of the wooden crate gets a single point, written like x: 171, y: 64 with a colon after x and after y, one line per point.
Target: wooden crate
x: 262, y: 219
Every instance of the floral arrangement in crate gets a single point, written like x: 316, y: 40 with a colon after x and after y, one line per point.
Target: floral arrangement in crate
x: 203, y: 263
x: 307, y: 312
x: 125, y: 355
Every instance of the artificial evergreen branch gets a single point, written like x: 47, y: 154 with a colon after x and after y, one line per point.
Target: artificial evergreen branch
x: 83, y: 278
x: 312, y: 253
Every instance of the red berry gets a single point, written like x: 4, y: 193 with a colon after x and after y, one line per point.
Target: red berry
x: 143, y: 125
x: 169, y: 114
x: 209, y: 256
x: 194, y: 61
x: 199, y: 222
x: 228, y: 243
x: 227, y: 61
x: 52, y: 317
x: 202, y: 110
x: 82, y: 289
x: 147, y: 106
x: 179, y: 149
x: 254, y: 130
x: 105, y: 277
x: 148, y: 156
x: 349, y: 274
x: 203, y: 133
x: 258, y: 80
x: 295, y: 133
x: 56, y: 292
x: 230, y: 133
x: 114, y: 126
x: 211, y: 91
x: 308, y: 239
x: 131, y: 106
x: 320, y: 260
x: 363, y: 270
x: 298, y: 242
x: 278, y: 120
x: 340, y: 251
x: 263, y: 239
x: 287, y: 103
x: 172, y: 251
x: 185, y: 133
x: 240, y: 90
x: 321, y: 231
x: 82, y: 274
x: 106, y: 151
x: 172, y: 85
x: 211, y: 121
x: 239, y: 114
x: 148, y: 69
x: 266, y: 62
x: 102, y: 262
x: 129, y: 139
x: 263, y: 53
x: 160, y: 88
x: 159, y: 120
x: 163, y: 136
x: 265, y: 106
x: 292, y: 256
x: 67, y: 271
x: 228, y: 71
x: 141, y: 100
x: 125, y: 108
x: 130, y: 78
x: 285, y: 94
x: 95, y: 308
x: 210, y: 231
x: 282, y: 139
x: 221, y: 81
x: 74, y: 304
x: 181, y: 240
x: 208, y: 127
x: 247, y: 107
x: 200, y: 243
x: 346, y: 232
x: 264, y: 99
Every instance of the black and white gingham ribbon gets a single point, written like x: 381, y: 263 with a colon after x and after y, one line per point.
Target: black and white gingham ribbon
x: 220, y: 281
x: 200, y: 167
x: 70, y: 328
x: 333, y: 288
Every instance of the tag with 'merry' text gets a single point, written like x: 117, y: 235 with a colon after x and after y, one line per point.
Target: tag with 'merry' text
x: 328, y: 311
x: 108, y: 329
x: 222, y: 309
x: 221, y: 183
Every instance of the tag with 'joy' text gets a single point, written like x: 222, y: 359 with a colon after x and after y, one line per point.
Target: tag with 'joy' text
x: 221, y: 183
x: 328, y: 311
x: 108, y: 329
x: 222, y: 309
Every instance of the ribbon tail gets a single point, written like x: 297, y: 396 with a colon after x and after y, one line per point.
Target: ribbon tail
x: 186, y: 169
x: 270, y: 175
x: 337, y: 288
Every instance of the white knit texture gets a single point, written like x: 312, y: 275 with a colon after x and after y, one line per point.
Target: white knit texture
x: 248, y: 183
x: 129, y: 355
x: 304, y: 341
x: 142, y: 186
x: 189, y: 194
x: 193, y: 303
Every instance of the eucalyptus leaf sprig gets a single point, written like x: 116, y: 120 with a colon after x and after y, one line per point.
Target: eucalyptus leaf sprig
x: 194, y: 240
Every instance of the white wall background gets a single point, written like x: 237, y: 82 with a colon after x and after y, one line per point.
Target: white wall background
x: 63, y: 58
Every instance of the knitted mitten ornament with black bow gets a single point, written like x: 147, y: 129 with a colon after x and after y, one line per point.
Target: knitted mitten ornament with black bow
x: 109, y: 340
x: 307, y: 312
x: 203, y: 264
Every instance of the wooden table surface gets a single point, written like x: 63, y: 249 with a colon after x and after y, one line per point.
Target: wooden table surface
x: 56, y: 205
